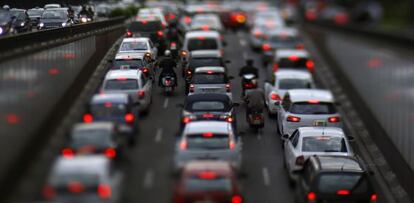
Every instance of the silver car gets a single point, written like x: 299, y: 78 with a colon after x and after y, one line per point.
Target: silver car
x: 307, y: 108
x: 283, y: 81
x: 131, y: 82
x: 210, y: 80
x: 138, y: 45
x: 208, y: 140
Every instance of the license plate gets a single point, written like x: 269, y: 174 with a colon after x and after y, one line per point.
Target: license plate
x: 319, y: 123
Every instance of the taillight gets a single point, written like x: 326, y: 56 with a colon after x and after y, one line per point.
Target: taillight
x: 334, y: 119
x: 183, y: 145
x: 110, y: 153
x: 189, y: 72
x: 266, y: 47
x: 230, y: 119
x: 183, y: 53
x: 311, y: 196
x: 293, y: 119
x: 173, y: 44
x: 236, y: 199
x: 75, y: 187
x: 129, y: 34
x: 48, y: 192
x: 275, y: 97
x: 374, y: 198
x: 275, y: 67
x: 228, y: 87
x: 205, y: 27
x: 343, y: 192
x: 160, y: 33
x: 300, y: 160
x: 310, y: 65
x: 87, y: 118
x: 191, y: 88
x: 145, y: 70
x: 187, y: 19
x: 129, y: 117
x: 232, y: 145
x: 258, y: 34
x: 186, y: 120
x: 104, y: 191
x: 141, y: 94
x: 293, y: 58
x: 68, y: 153
x: 300, y: 46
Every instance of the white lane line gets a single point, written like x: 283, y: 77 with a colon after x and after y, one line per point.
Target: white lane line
x: 266, y: 178
x: 243, y: 42
x: 158, y: 135
x: 166, y: 103
x: 148, y: 179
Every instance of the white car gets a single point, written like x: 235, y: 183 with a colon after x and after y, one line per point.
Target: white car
x: 138, y: 45
x: 207, y: 22
x: 292, y: 59
x: 208, y: 140
x: 309, y: 141
x: 152, y: 12
x: 307, y: 108
x: 283, y: 81
x: 131, y: 82
x: 203, y: 40
x: 48, y: 6
x: 210, y: 80
x: 83, y: 179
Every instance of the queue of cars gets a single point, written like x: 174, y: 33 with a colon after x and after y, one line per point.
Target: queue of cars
x: 318, y: 155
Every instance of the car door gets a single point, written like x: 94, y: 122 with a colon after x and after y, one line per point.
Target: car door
x: 290, y: 149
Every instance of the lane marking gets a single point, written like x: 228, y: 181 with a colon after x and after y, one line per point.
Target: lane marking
x: 158, y: 135
x: 243, y: 42
x: 166, y: 101
x: 148, y: 179
x: 266, y: 178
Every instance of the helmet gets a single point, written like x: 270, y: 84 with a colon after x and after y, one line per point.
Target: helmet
x: 7, y: 7
x: 249, y: 62
x: 167, y: 53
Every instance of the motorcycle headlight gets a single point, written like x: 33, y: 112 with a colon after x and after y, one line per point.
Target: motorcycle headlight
x: 84, y: 20
x: 22, y: 24
x: 64, y: 24
x: 1, y: 30
x: 41, y: 24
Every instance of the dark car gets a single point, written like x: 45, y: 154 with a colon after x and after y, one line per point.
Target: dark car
x: 21, y: 21
x: 55, y: 18
x: 208, y: 107
x: 117, y: 108
x: 6, y: 22
x: 151, y: 28
x: 35, y: 14
x: 94, y: 138
x: 335, y: 179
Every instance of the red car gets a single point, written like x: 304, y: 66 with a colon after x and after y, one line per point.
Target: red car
x: 207, y: 181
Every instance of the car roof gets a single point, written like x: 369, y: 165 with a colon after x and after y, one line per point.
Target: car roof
x: 221, y: 167
x: 209, y: 34
x: 284, y: 53
x: 341, y: 163
x: 208, y: 126
x: 292, y: 73
x: 128, y: 74
x: 206, y: 54
x: 129, y: 55
x: 95, y: 164
x: 94, y: 126
x: 136, y: 39
x: 321, y: 131
x: 206, y: 69
x: 304, y: 95
x: 114, y: 98
x: 208, y: 97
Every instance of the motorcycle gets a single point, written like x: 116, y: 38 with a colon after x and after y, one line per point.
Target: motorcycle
x: 249, y: 81
x: 84, y: 19
x: 168, y: 83
x: 256, y: 120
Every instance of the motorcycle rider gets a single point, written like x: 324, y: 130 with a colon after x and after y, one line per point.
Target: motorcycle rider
x: 167, y: 65
x: 249, y: 69
x: 84, y: 11
x: 255, y: 101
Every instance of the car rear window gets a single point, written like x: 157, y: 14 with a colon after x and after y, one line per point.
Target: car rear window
x: 288, y: 84
x: 312, y: 108
x: 145, y: 26
x: 96, y: 138
x: 128, y: 64
x: 204, y: 78
x: 129, y: 84
x: 108, y: 109
x: 202, y: 142
x: 201, y: 62
x: 324, y: 144
x: 332, y: 182
x: 133, y: 46
x: 207, y: 106
x: 202, y: 44
x: 292, y: 63
x: 198, y: 184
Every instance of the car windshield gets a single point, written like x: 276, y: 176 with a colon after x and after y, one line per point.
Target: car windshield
x: 210, y: 142
x: 200, y: 62
x: 292, y: 63
x: 17, y: 14
x: 198, y: 184
x: 133, y: 46
x: 128, y: 64
x: 128, y: 84
x: 96, y: 138
x: 145, y: 26
x: 54, y: 14
x: 202, y: 44
x: 203, y: 78
x: 64, y: 179
x: 324, y: 144
x: 108, y: 110
x: 208, y: 106
x: 287, y: 84
x: 312, y: 108
x: 332, y: 182
x: 34, y: 12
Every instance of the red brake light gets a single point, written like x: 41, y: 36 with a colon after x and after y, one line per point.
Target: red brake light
x: 232, y: 145
x: 129, y: 117
x: 310, y: 65
x: 293, y: 58
x: 173, y: 44
x: 49, y: 192
x: 145, y: 70
x: 75, y: 187
x: 313, y: 101
x: 240, y: 18
x: 108, y: 104
x: 104, y: 191
x: 141, y: 94
x: 191, y: 88
x: 207, y: 175
x: 205, y: 27
x: 230, y: 119
x: 258, y: 34
x: 311, y: 196
x: 68, y: 153
x: 275, y: 67
x: 160, y: 33
x: 186, y: 120
x: 129, y: 34
x: 374, y: 198
x: 208, y: 135
x: 300, y: 160
x: 210, y: 72
x: 208, y: 115
x: 275, y: 97
x: 236, y: 199
x: 266, y: 47
x: 87, y: 118
x: 110, y: 153
x: 293, y: 119
x: 187, y: 19
x: 183, y: 145
x: 201, y: 38
x: 334, y: 119
x: 343, y: 192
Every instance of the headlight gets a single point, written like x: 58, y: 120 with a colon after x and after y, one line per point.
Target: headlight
x: 64, y: 24
x: 84, y: 20
x: 41, y: 24
x: 22, y: 24
x: 1, y: 30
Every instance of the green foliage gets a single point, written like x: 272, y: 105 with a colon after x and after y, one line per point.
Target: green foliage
x: 129, y: 11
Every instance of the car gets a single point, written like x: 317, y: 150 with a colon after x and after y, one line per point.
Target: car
x: 99, y: 138
x: 207, y: 22
x: 292, y: 59
x: 306, y: 108
x: 203, y: 40
x: 51, y: 6
x: 6, y: 22
x: 134, y: 60
x: 335, y: 179
x: 82, y: 179
x: 153, y: 12
x: 131, y: 82
x: 140, y: 45
x: 308, y: 141
x: 208, y: 140
x: 201, y: 181
x: 208, y: 107
x: 21, y: 21
x: 282, y: 81
x: 282, y: 38
x: 116, y: 107
x: 151, y: 28
x: 54, y: 18
x: 35, y: 14
x: 210, y: 80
